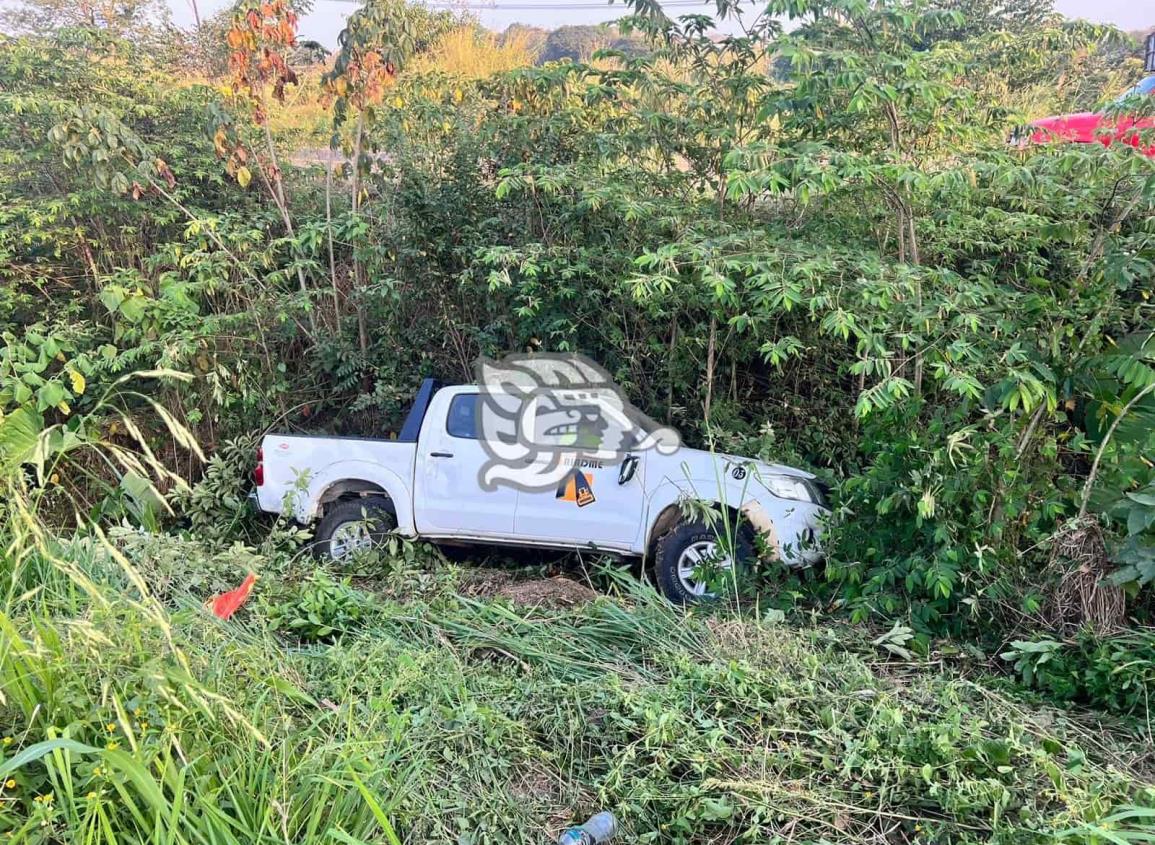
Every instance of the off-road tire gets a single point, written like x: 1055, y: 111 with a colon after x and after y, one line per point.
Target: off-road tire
x: 668, y: 550
x: 378, y: 512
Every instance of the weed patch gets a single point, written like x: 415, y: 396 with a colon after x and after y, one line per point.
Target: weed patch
x: 480, y: 720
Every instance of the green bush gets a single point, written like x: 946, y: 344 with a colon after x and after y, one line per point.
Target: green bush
x: 217, y: 506
x: 930, y: 527
x: 1115, y: 673
x: 173, y: 566
x: 842, y: 264
x: 318, y: 609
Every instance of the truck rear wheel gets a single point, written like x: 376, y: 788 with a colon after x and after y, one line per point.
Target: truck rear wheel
x: 353, y: 526
x: 692, y: 554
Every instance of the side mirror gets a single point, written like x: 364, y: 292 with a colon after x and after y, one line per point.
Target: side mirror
x: 629, y: 469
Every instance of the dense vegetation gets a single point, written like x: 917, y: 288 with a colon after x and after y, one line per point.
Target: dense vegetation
x: 428, y: 716
x: 815, y: 246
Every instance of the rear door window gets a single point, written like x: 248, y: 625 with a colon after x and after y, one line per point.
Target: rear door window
x: 462, y: 418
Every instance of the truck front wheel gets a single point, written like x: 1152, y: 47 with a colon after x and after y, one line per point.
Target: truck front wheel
x: 694, y: 562
x: 353, y: 526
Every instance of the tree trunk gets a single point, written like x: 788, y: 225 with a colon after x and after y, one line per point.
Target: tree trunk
x: 710, y: 348
x: 915, y: 259
x: 282, y: 206
x: 329, y: 232
x: 358, y: 271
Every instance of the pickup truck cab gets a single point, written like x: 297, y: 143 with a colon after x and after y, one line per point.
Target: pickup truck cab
x: 428, y: 483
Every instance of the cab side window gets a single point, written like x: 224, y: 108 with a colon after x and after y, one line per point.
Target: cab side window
x: 462, y: 419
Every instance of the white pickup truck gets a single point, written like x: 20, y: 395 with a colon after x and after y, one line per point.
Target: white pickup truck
x: 428, y: 482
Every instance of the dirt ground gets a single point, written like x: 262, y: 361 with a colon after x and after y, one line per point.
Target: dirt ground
x: 555, y: 592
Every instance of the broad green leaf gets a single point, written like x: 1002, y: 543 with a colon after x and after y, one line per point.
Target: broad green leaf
x: 40, y: 749
x: 20, y: 432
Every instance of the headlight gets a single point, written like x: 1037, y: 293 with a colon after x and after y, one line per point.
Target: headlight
x: 789, y: 487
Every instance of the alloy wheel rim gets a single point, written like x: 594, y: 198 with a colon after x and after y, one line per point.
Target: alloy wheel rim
x: 696, y: 556
x: 348, y: 538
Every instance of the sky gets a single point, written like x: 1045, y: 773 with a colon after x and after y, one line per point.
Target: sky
x: 328, y: 16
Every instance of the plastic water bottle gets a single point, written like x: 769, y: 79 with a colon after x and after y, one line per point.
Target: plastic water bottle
x: 599, y: 830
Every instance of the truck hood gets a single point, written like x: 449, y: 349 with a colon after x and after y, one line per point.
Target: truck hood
x: 698, y: 463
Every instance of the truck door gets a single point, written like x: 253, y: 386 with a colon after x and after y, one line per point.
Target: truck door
x: 448, y: 496
x: 598, y: 502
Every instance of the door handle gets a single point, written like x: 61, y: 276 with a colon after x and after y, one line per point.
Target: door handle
x: 441, y: 454
x: 628, y: 470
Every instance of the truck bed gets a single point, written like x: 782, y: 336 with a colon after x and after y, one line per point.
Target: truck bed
x: 288, y: 481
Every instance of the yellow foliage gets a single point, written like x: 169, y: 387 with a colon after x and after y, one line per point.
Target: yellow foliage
x: 474, y: 54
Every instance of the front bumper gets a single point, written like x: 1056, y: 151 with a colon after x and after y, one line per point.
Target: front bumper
x: 794, y: 530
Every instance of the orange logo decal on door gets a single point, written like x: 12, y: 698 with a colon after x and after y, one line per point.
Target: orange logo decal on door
x: 577, y: 487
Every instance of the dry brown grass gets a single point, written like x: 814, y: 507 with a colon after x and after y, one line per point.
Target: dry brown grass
x: 1084, y: 596
x: 475, y: 54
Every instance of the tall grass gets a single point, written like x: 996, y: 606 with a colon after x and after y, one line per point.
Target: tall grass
x: 474, y: 53
x: 452, y: 719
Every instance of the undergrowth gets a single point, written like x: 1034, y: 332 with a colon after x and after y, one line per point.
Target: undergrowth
x: 1113, y: 673
x: 441, y: 718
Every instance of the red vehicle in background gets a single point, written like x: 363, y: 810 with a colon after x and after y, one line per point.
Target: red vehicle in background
x: 1107, y: 127
x: 1131, y: 120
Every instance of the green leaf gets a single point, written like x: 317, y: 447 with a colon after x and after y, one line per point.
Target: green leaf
x: 378, y: 813
x: 40, y: 749
x: 1139, y: 520
x: 132, y: 309
x: 111, y: 297
x: 19, y: 434
x: 50, y: 395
